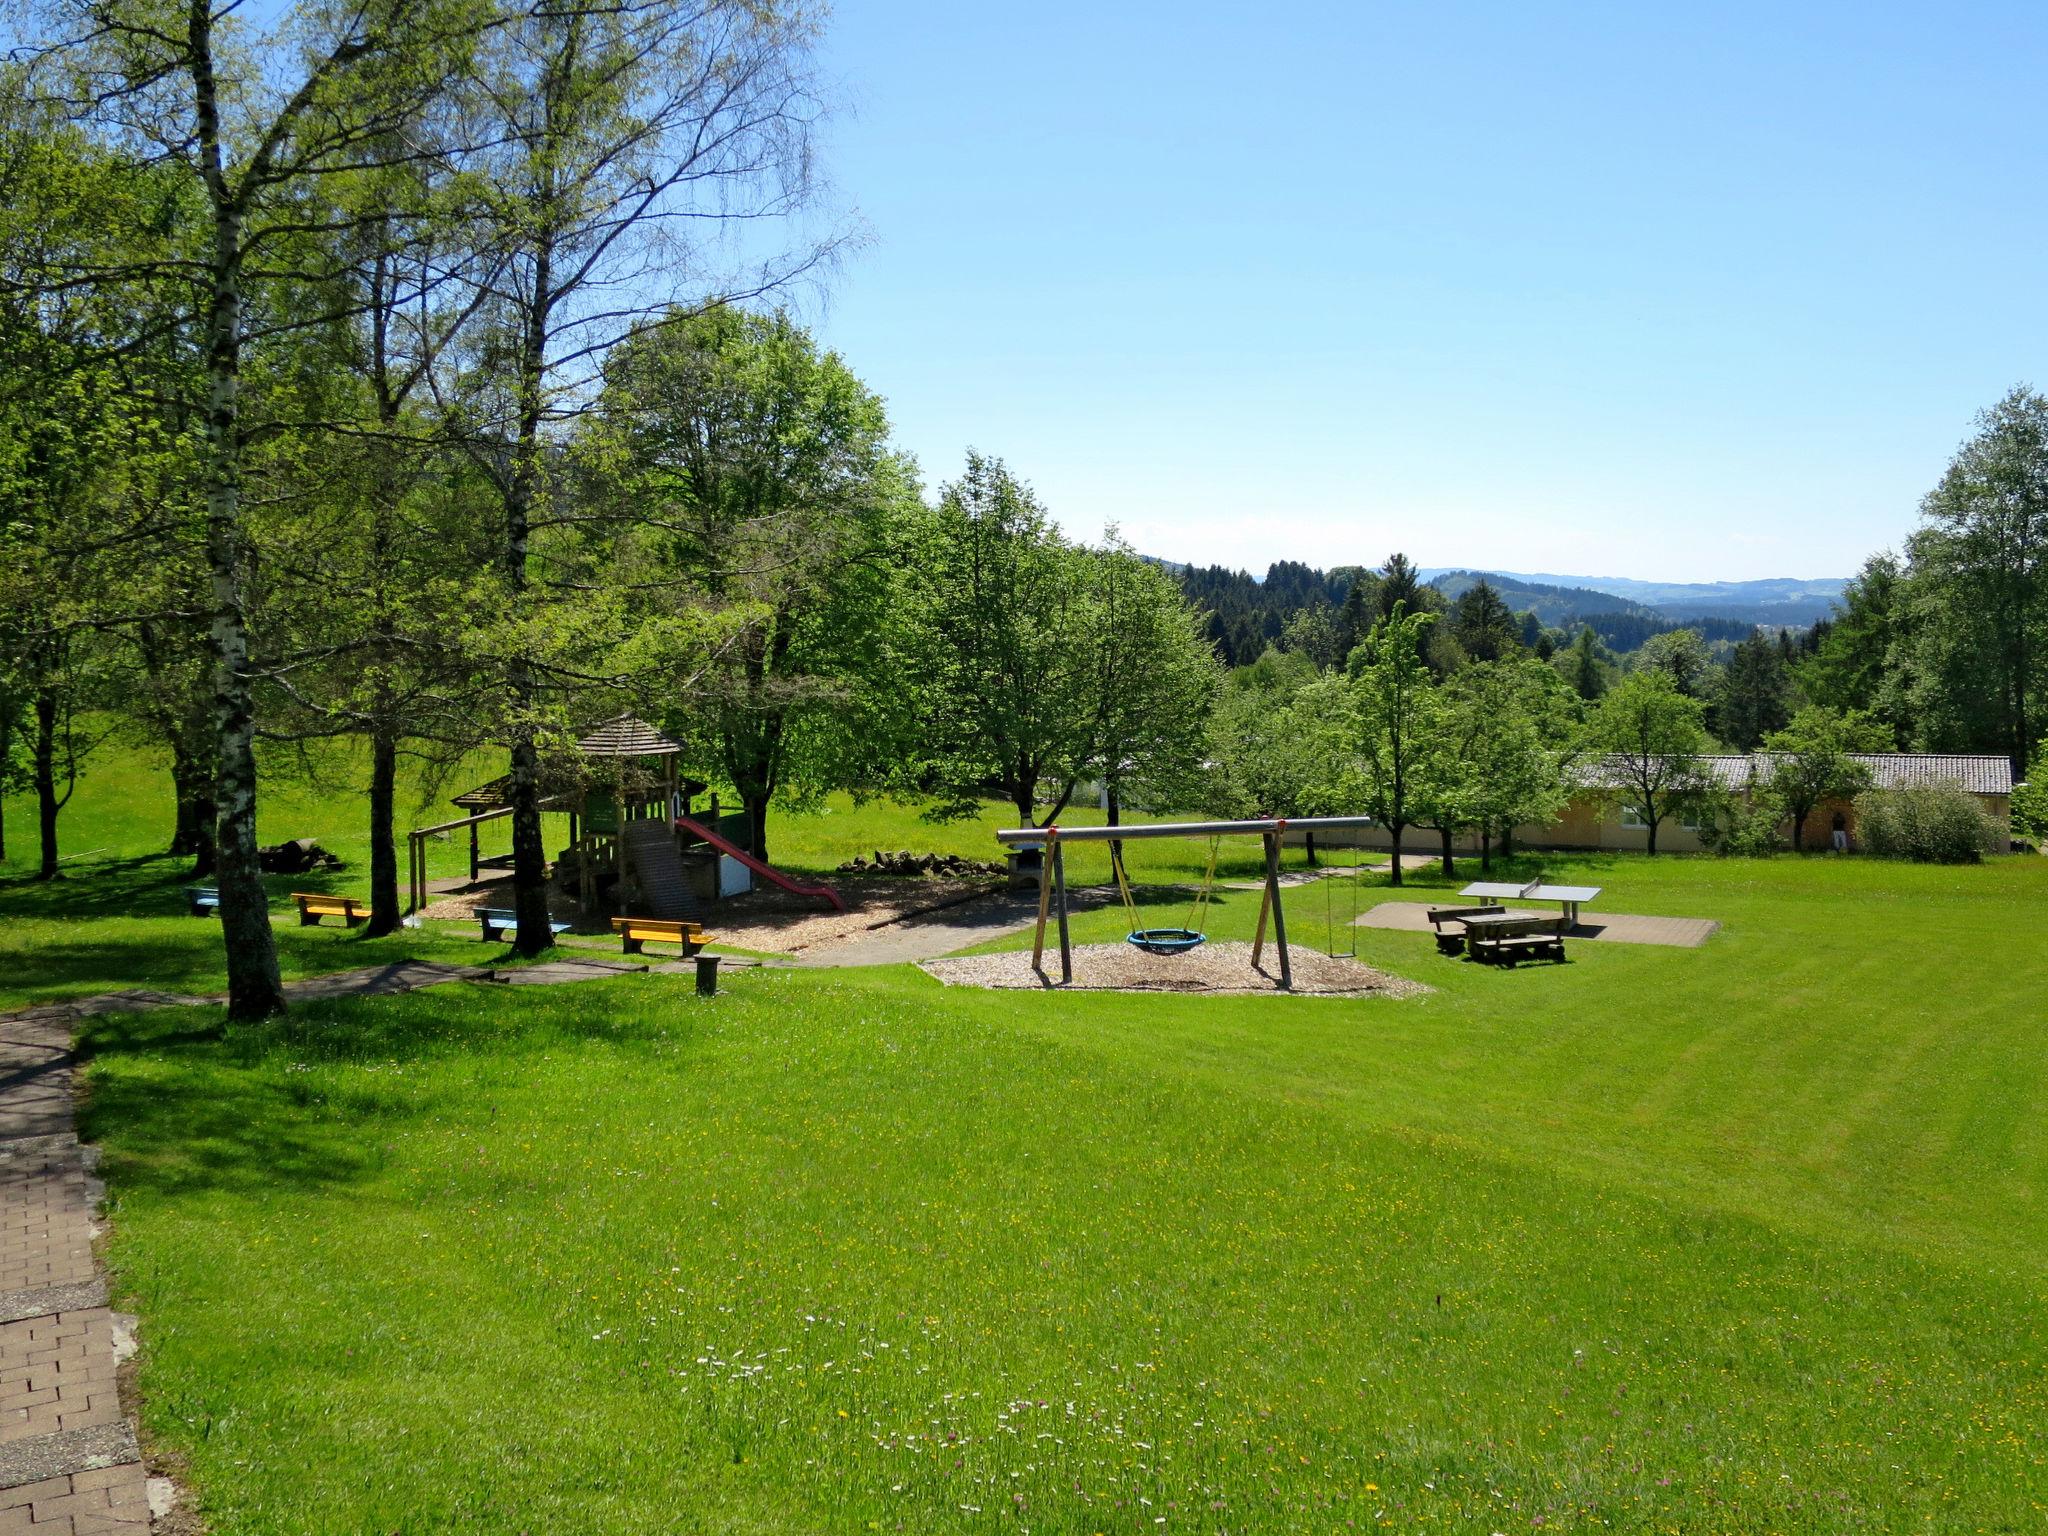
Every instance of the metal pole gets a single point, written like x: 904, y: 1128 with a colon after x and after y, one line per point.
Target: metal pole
x: 1044, y: 900
x: 1128, y: 830
x: 1279, y: 914
x: 1059, y: 879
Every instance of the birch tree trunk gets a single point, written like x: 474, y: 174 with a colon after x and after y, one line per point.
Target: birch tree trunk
x: 254, y: 989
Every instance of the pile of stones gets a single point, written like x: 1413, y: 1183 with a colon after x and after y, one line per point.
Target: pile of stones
x: 919, y: 866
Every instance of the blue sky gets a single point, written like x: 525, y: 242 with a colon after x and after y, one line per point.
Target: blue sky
x: 1686, y: 293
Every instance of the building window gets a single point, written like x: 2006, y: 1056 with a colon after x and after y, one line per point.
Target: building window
x: 1635, y: 821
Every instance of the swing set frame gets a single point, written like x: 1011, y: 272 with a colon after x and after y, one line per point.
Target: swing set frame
x: 1052, y: 873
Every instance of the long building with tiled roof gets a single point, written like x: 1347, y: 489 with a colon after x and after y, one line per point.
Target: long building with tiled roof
x: 1599, y: 816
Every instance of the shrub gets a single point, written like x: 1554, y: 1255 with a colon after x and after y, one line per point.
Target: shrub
x: 2030, y: 800
x: 1931, y: 823
x: 1737, y: 828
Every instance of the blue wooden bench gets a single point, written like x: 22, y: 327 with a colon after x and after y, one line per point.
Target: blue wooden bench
x: 500, y: 923
x: 204, y: 899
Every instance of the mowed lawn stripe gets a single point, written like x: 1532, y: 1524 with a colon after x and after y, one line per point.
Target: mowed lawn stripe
x: 1289, y: 1267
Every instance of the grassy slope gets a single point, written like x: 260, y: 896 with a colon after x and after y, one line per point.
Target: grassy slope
x: 118, y: 917
x: 1744, y: 1238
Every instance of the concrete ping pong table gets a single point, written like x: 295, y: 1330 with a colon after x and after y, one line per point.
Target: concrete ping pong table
x: 1570, y: 897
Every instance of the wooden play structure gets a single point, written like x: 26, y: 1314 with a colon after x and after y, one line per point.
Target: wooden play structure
x: 1052, y: 881
x: 627, y: 775
x: 630, y: 822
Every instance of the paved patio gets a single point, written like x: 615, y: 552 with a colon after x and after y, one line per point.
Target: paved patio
x: 1603, y: 927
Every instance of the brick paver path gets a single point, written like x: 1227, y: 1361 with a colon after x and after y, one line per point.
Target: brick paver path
x: 68, y: 1457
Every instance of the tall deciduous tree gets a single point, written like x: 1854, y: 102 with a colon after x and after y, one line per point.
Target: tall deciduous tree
x: 1651, y: 744
x: 1980, y: 585
x: 625, y: 139
x: 1156, y: 678
x: 761, y: 476
x: 1682, y: 656
x: 1397, y: 718
x: 1811, y: 762
x: 257, y: 122
x: 998, y: 639
x: 1507, y: 730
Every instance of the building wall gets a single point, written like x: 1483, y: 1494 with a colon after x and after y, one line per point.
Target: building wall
x: 1820, y: 824
x: 1594, y: 822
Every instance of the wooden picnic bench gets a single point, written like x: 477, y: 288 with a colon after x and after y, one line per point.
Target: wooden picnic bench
x: 1452, y: 941
x: 1506, y: 937
x: 313, y: 907
x: 636, y: 931
x: 500, y: 923
x: 204, y: 900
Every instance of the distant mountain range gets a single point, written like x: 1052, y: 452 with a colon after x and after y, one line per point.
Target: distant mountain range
x: 1774, y: 600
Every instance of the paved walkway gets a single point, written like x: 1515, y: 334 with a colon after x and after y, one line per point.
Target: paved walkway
x: 1609, y: 927
x: 69, y: 1463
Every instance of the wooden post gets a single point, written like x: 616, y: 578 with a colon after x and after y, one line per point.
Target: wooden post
x: 1272, y: 841
x: 472, y: 853
x: 1044, y: 900
x: 1059, y: 880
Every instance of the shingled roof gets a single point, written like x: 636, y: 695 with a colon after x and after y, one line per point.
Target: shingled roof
x: 1979, y: 775
x: 627, y: 736
x: 1888, y: 770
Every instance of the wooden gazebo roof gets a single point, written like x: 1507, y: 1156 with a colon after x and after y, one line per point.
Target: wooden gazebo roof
x: 623, y: 736
x: 627, y: 736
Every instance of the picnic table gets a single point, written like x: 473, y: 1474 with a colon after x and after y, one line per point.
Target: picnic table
x: 1509, y: 935
x: 1570, y: 897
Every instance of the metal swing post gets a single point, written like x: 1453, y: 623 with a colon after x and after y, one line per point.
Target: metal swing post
x: 1044, y: 900
x: 1272, y: 842
x: 1059, y: 880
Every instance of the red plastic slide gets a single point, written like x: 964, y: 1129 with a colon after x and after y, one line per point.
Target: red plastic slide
x: 766, y: 872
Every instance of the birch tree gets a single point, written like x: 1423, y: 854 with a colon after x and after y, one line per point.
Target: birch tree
x: 631, y: 144
x: 259, y: 122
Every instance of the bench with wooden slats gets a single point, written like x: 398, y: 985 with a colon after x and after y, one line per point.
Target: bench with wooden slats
x: 1537, y: 938
x: 313, y: 907
x: 1451, y: 941
x: 204, y: 900
x: 633, y: 932
x: 501, y: 923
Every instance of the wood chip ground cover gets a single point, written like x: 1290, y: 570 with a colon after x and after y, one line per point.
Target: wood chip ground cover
x: 1218, y: 966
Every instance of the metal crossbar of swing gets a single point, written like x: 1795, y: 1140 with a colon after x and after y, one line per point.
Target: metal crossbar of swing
x: 1274, y: 825
x: 1052, y: 880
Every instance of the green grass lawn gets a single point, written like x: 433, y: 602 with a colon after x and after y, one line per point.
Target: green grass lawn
x: 1746, y: 1238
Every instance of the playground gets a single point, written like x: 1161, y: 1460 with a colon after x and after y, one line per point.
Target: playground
x: 813, y: 1251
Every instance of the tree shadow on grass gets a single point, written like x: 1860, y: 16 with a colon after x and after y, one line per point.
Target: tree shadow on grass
x: 148, y: 886
x: 183, y: 1102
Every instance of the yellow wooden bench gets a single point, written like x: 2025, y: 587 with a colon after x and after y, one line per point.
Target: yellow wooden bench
x: 636, y: 931
x: 313, y: 907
